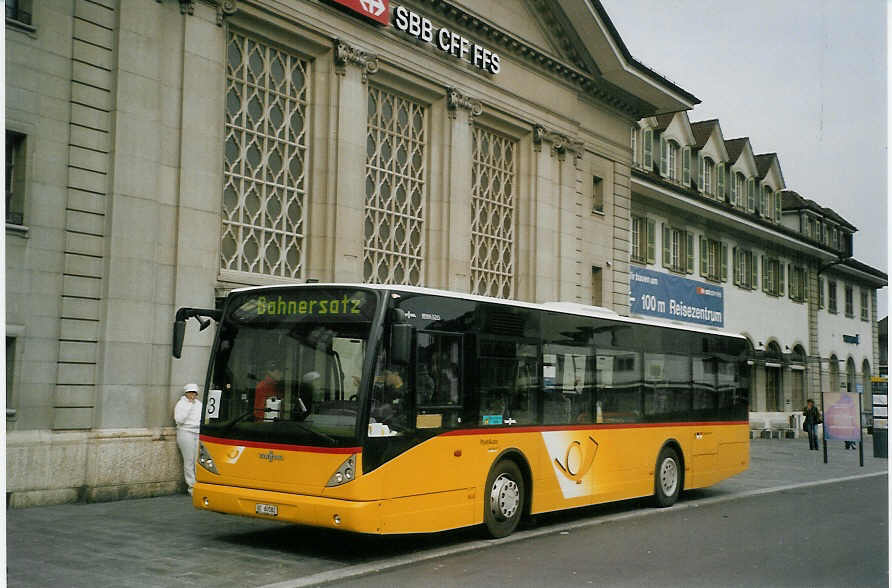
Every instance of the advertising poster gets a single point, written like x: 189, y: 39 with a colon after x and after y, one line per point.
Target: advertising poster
x: 841, y: 416
x: 671, y: 297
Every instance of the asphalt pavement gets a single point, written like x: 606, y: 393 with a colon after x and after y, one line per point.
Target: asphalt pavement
x: 815, y: 536
x: 164, y: 541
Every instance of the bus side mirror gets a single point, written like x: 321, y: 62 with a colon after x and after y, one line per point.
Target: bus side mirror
x: 179, y: 332
x: 401, y: 344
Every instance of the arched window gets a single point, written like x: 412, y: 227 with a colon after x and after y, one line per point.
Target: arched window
x: 834, y: 373
x: 850, y: 376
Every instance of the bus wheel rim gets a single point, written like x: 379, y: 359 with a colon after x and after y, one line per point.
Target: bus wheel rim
x: 504, y: 498
x: 669, y: 476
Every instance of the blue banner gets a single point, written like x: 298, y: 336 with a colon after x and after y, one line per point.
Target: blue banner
x: 671, y: 297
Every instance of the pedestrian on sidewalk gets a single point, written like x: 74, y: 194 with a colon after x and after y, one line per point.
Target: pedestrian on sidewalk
x: 187, y: 415
x: 812, y: 420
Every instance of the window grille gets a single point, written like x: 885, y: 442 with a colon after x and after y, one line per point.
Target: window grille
x: 394, y: 189
x: 264, y: 188
x: 492, y: 214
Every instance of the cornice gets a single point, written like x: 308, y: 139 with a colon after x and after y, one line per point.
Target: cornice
x: 576, y: 73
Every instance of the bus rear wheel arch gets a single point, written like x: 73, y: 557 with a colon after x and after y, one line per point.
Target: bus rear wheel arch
x: 505, y: 497
x: 668, y: 475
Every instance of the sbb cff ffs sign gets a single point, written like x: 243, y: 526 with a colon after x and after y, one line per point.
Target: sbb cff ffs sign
x: 445, y: 40
x: 376, y: 10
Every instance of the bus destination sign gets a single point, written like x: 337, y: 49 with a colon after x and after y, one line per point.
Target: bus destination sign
x: 305, y: 305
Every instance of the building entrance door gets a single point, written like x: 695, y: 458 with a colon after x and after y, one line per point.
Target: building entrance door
x: 772, y: 389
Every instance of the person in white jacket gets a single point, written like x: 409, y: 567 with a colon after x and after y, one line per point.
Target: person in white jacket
x: 187, y: 415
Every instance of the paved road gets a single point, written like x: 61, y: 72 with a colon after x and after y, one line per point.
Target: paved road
x: 755, y: 541
x: 165, y: 542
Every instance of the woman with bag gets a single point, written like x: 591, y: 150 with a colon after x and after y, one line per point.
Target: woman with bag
x: 812, y: 420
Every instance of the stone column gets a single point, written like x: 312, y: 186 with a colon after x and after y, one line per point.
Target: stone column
x: 90, y: 153
x: 568, y: 228
x: 545, y: 217
x: 814, y: 378
x: 622, y: 221
x: 352, y: 66
x: 195, y: 209
x: 457, y: 197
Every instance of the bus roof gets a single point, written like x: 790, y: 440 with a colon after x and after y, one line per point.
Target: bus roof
x: 573, y: 308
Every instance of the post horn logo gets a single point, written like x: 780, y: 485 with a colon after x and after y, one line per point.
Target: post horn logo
x: 578, y: 460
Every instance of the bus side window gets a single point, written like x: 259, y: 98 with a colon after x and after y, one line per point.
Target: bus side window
x: 439, y: 394
x: 619, y: 378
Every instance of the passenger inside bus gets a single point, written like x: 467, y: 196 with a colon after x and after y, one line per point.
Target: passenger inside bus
x: 268, y: 393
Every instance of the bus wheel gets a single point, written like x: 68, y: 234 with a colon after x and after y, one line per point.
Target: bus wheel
x: 504, y: 499
x: 667, y: 478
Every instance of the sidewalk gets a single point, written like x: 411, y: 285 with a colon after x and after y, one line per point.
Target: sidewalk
x: 165, y: 542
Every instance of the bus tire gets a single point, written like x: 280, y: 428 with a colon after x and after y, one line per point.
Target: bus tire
x: 503, y: 499
x: 667, y: 478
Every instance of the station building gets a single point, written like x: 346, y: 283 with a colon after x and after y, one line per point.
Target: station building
x: 718, y: 239
x: 161, y: 153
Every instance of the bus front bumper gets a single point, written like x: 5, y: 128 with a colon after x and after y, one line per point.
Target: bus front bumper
x: 318, y: 511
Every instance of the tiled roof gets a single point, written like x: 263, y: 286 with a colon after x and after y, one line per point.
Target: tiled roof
x: 702, y: 130
x: 763, y: 163
x: 867, y: 269
x: 663, y: 121
x: 793, y: 201
x: 647, y: 71
x: 832, y: 214
x: 734, y: 147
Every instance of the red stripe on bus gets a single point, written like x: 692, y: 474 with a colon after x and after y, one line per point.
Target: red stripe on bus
x: 280, y: 446
x: 540, y: 428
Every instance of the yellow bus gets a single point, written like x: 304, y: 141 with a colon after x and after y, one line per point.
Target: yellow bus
x: 395, y: 409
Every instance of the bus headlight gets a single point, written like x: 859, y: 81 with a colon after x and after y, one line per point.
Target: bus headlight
x: 205, y: 460
x: 344, y: 473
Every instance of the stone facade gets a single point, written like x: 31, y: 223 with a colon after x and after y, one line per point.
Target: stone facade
x: 173, y: 150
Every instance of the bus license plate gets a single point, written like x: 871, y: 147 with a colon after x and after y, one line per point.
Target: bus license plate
x: 268, y: 509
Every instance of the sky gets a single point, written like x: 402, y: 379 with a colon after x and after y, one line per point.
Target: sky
x: 803, y: 78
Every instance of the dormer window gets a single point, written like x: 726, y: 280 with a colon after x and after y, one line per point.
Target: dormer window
x: 672, y: 156
x: 764, y: 204
x: 740, y: 183
x: 708, y: 176
x: 778, y: 204
x: 686, y: 166
x: 636, y: 132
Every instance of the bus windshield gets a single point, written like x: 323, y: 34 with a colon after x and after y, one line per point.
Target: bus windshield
x: 288, y: 366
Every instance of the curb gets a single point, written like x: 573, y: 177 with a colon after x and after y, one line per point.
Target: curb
x: 358, y: 570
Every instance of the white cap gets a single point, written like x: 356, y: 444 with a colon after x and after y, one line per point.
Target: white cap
x: 190, y: 387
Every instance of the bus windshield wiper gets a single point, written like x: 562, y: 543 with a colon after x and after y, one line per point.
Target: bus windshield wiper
x: 313, y: 431
x: 228, y: 426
